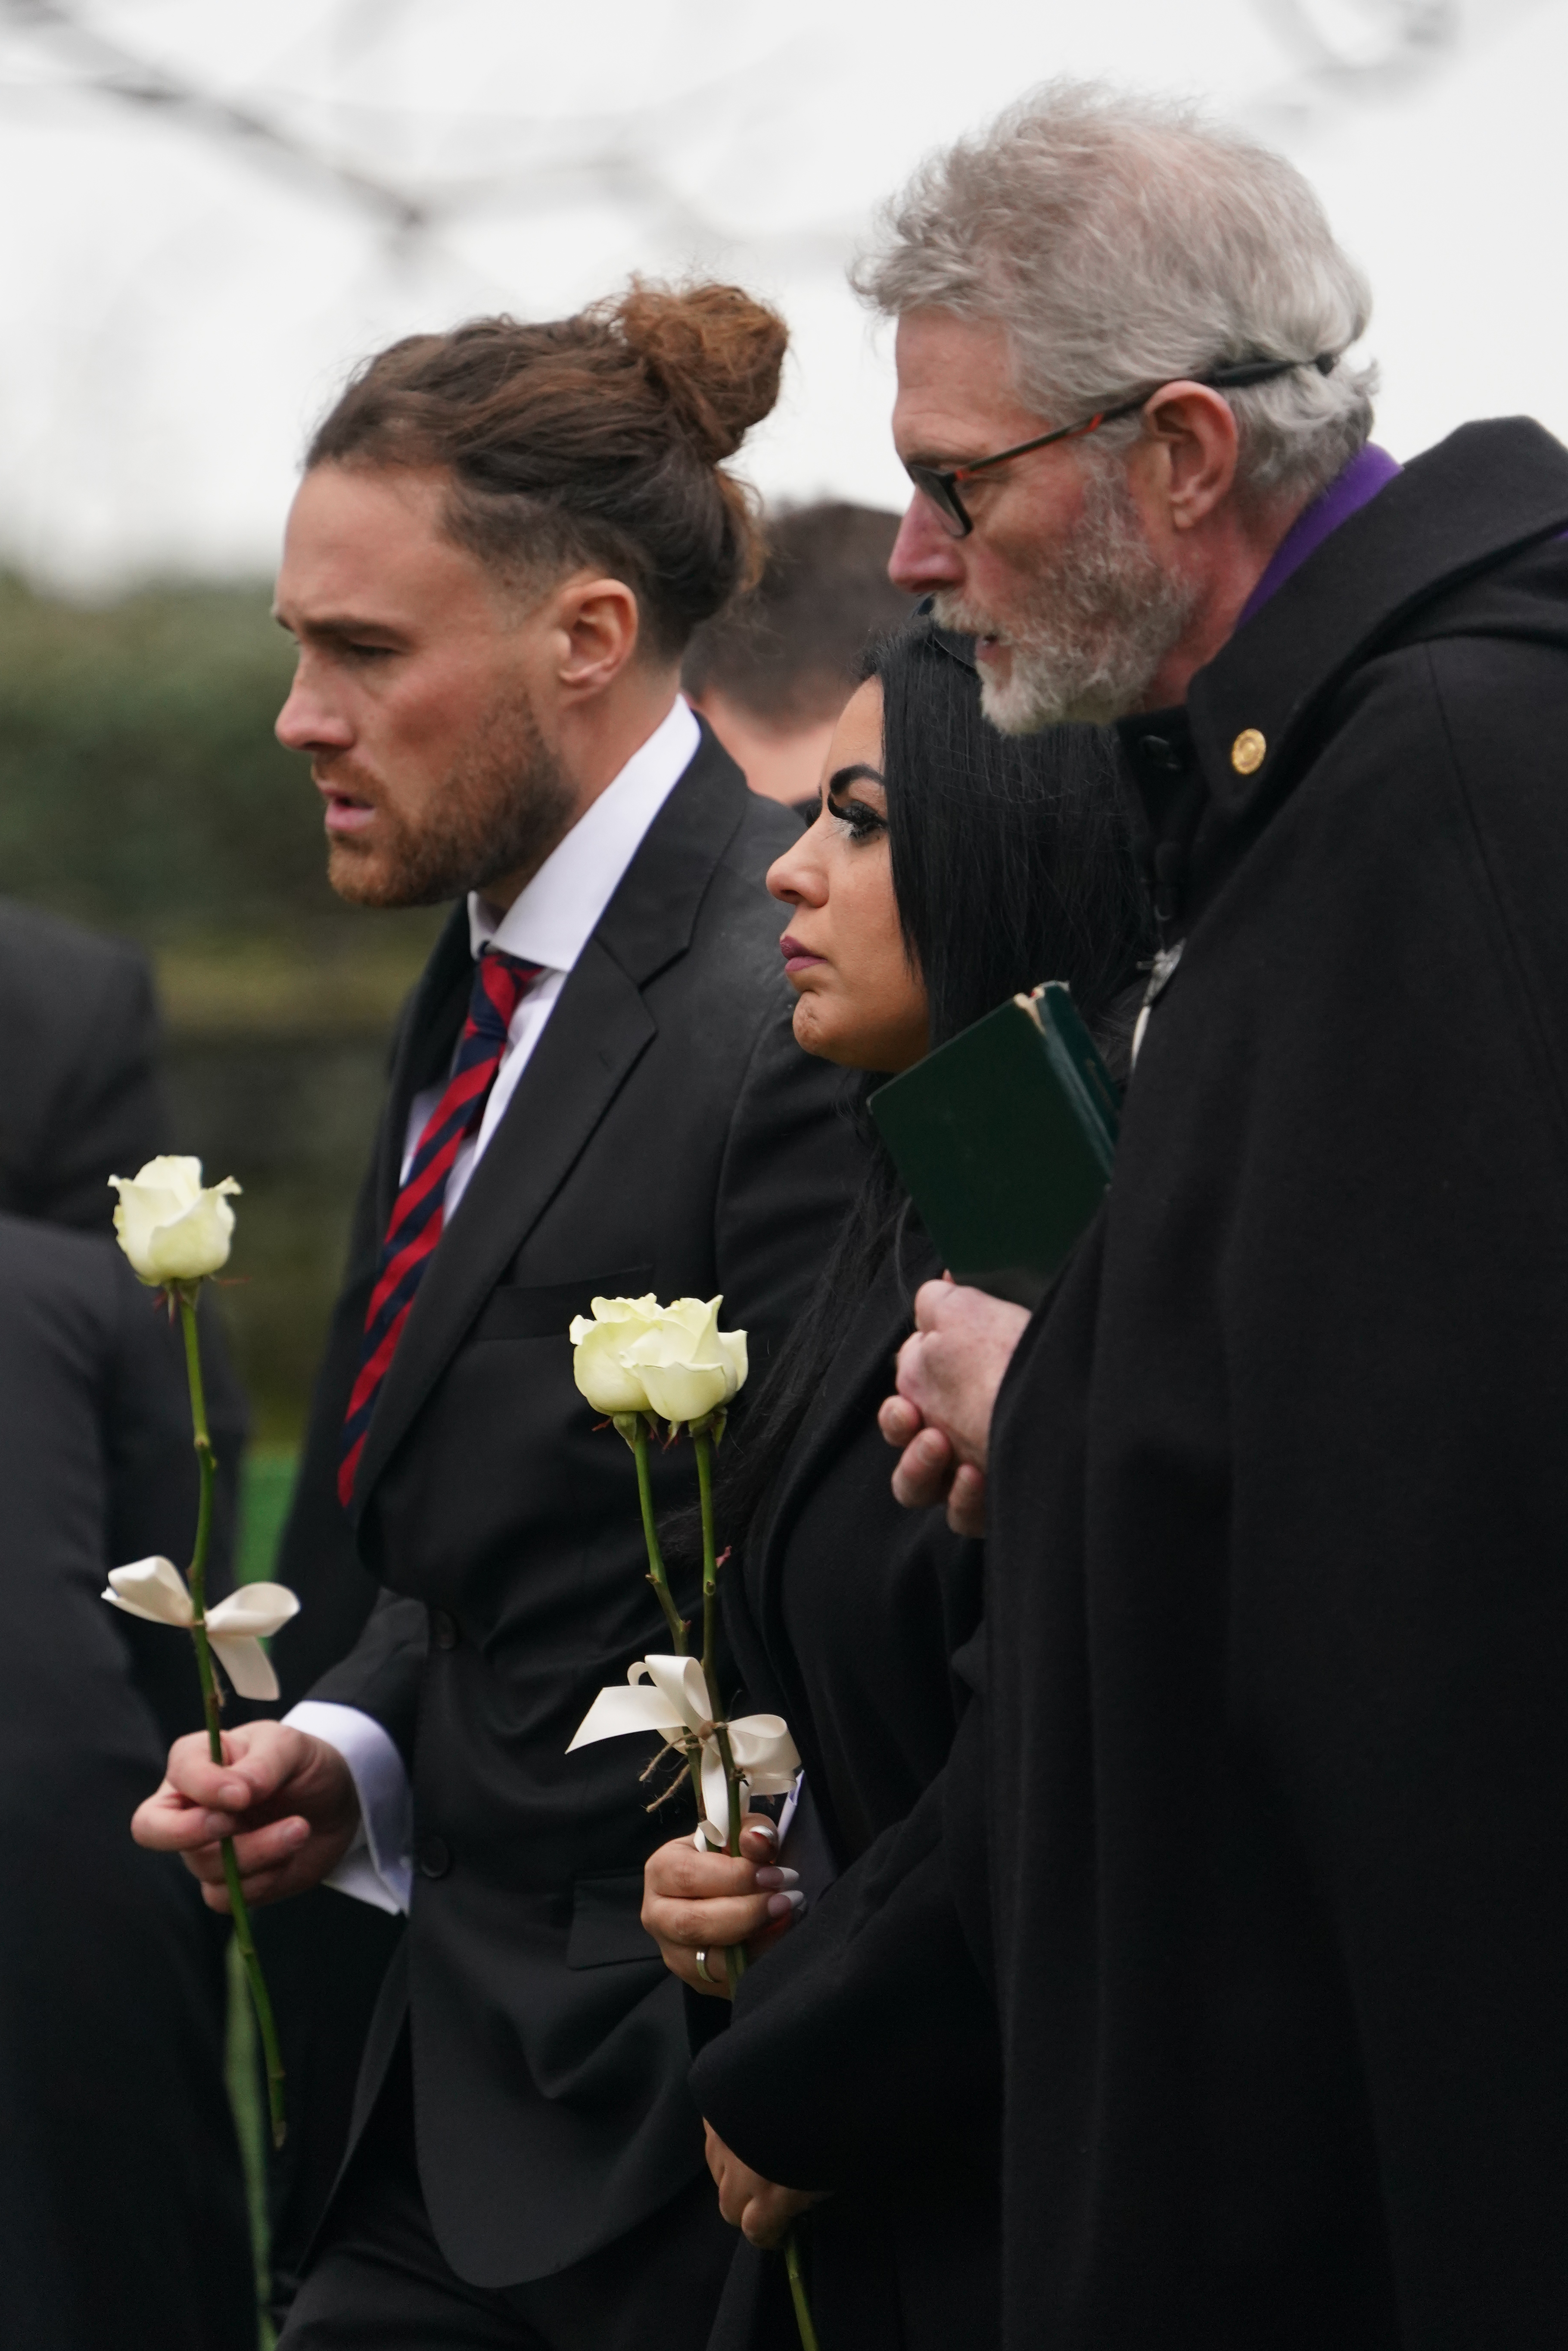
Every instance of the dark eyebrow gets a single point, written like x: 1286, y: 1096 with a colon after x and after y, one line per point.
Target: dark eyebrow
x: 860, y: 773
x: 340, y: 626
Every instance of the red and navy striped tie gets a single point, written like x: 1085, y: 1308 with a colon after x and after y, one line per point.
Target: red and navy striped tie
x: 415, y: 1226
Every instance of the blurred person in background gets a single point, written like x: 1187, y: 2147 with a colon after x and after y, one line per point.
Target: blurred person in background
x: 771, y: 673
x: 122, y: 2207
x: 112, y: 2009
x: 503, y: 541
x: 947, y: 870
x: 81, y: 1099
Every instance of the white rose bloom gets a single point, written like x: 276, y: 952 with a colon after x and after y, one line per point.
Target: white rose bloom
x: 687, y: 1364
x: 599, y: 1363
x: 155, y: 1590
x: 170, y: 1226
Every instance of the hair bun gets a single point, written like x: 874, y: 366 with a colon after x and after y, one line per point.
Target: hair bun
x: 714, y: 353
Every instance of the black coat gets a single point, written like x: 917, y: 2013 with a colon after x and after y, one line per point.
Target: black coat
x: 667, y: 1135
x: 79, y: 1097
x: 1280, y: 1627
x: 844, y: 1619
x: 122, y: 2214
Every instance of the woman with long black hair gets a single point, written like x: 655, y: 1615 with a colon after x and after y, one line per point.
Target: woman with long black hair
x: 949, y: 868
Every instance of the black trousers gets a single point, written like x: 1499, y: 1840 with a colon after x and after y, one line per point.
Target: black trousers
x: 379, y: 2281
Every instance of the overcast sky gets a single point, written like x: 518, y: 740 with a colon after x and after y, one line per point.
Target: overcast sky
x: 179, y: 294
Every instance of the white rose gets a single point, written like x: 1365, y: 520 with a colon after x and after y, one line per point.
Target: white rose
x: 687, y: 1364
x: 170, y: 1227
x: 598, y: 1361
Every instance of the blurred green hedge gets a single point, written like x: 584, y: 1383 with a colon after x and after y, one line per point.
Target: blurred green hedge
x: 143, y: 791
x: 140, y: 784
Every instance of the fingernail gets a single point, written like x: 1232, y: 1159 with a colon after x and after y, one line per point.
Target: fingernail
x: 770, y: 1877
x: 786, y: 1906
x: 236, y: 1794
x: 297, y: 1832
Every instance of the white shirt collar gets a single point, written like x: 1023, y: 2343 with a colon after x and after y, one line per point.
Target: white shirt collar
x: 551, y: 921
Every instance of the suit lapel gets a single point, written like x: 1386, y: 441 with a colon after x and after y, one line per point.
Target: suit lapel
x: 598, y: 1031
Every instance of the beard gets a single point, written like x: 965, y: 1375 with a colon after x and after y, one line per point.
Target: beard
x: 1100, y: 616
x: 500, y: 810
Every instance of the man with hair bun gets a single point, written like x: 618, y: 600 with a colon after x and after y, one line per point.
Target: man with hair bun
x: 503, y: 541
x: 1258, y: 1816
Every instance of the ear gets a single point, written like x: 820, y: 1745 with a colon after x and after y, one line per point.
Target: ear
x: 596, y: 624
x: 1188, y: 453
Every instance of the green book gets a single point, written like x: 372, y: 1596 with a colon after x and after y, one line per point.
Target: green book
x: 1004, y: 1138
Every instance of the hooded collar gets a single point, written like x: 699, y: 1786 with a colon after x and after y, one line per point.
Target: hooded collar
x: 1489, y: 491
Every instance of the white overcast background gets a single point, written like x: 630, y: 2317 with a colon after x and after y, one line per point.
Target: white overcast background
x: 210, y: 208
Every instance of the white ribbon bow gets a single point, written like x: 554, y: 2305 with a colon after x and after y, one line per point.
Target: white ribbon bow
x: 155, y: 1589
x: 670, y: 1695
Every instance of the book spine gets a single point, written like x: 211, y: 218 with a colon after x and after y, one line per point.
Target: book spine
x: 1091, y: 1117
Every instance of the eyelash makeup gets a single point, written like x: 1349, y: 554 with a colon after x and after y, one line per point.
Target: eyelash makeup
x: 863, y: 821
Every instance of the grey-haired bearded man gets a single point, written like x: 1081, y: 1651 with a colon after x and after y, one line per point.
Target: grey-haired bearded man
x: 1258, y: 1813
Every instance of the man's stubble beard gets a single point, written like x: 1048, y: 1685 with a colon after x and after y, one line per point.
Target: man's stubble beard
x: 502, y: 807
x: 1101, y: 615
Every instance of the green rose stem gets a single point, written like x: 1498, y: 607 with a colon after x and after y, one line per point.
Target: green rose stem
x: 703, y: 1444
x: 186, y: 1293
x: 656, y: 1574
x: 797, y: 2293
x: 634, y: 1428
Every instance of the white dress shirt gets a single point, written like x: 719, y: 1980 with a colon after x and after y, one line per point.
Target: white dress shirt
x: 548, y: 923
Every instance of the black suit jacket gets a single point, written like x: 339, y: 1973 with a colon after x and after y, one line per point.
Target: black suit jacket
x: 667, y: 1135
x: 79, y: 1098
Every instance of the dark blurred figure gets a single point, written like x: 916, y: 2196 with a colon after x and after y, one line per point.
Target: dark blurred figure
x: 122, y: 2211
x: 81, y: 1100
x: 772, y: 674
x: 79, y: 1097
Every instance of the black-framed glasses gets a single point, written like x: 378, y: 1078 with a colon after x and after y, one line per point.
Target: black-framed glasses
x: 943, y: 487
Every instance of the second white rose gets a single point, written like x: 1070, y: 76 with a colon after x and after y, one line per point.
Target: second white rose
x: 687, y: 1365
x: 635, y: 1355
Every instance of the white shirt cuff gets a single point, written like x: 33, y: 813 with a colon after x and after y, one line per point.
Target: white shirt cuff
x: 379, y: 1867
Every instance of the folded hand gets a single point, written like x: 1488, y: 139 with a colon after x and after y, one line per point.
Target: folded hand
x: 949, y: 1370
x: 759, y: 2208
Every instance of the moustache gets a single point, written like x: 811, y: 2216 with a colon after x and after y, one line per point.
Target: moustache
x: 952, y: 613
x: 342, y: 775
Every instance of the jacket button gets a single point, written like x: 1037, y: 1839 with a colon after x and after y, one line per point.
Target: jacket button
x: 443, y: 1628
x: 433, y: 1856
x: 1248, y: 752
